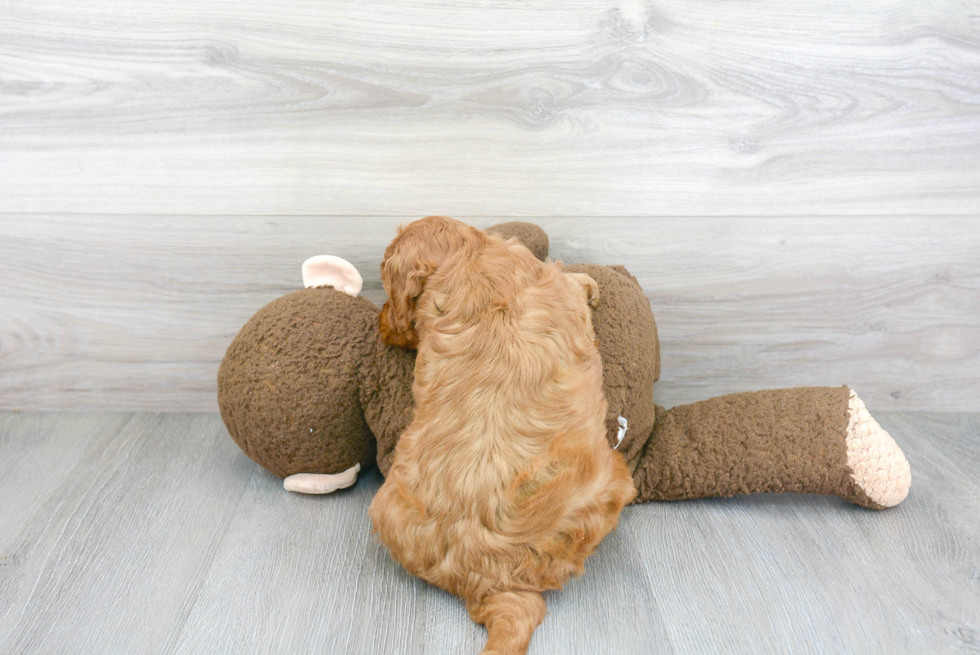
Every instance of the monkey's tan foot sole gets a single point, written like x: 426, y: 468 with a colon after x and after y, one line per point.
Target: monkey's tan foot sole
x: 879, y: 467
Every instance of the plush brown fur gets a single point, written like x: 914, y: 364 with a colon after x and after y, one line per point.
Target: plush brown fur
x: 504, y: 482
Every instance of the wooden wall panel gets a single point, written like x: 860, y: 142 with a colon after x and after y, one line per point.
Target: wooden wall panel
x: 795, y: 185
x: 478, y: 108
x: 135, y: 312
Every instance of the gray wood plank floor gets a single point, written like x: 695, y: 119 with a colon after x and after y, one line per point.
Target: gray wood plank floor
x: 152, y: 533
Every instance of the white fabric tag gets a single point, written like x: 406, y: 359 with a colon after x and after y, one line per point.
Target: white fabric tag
x: 623, y: 427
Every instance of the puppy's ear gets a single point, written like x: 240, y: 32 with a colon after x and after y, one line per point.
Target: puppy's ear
x: 405, y: 282
x: 415, y: 254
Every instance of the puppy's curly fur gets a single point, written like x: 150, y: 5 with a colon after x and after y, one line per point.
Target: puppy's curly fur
x: 503, y: 483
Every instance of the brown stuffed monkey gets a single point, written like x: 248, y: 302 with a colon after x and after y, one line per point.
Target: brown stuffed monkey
x: 308, y: 390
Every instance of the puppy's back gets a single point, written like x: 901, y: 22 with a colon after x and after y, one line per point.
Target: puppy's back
x: 504, y: 483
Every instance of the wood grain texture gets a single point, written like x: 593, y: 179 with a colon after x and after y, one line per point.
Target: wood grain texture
x: 135, y: 312
x: 816, y: 576
x: 111, y: 560
x: 477, y: 107
x: 152, y: 533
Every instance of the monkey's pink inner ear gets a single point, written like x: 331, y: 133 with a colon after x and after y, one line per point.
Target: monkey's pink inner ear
x: 335, y: 271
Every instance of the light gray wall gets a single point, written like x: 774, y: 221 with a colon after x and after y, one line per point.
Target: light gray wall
x: 136, y: 312
x: 797, y: 187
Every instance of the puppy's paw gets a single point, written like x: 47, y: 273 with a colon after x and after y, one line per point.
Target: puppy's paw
x: 589, y: 286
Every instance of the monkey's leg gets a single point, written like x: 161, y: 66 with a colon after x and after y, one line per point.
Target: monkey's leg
x: 806, y: 440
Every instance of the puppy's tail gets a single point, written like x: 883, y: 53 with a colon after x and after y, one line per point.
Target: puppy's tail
x: 510, y: 617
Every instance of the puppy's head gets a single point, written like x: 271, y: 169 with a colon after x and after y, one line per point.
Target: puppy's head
x: 416, y: 253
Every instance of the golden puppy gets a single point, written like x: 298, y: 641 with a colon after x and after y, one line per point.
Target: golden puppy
x: 503, y: 483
